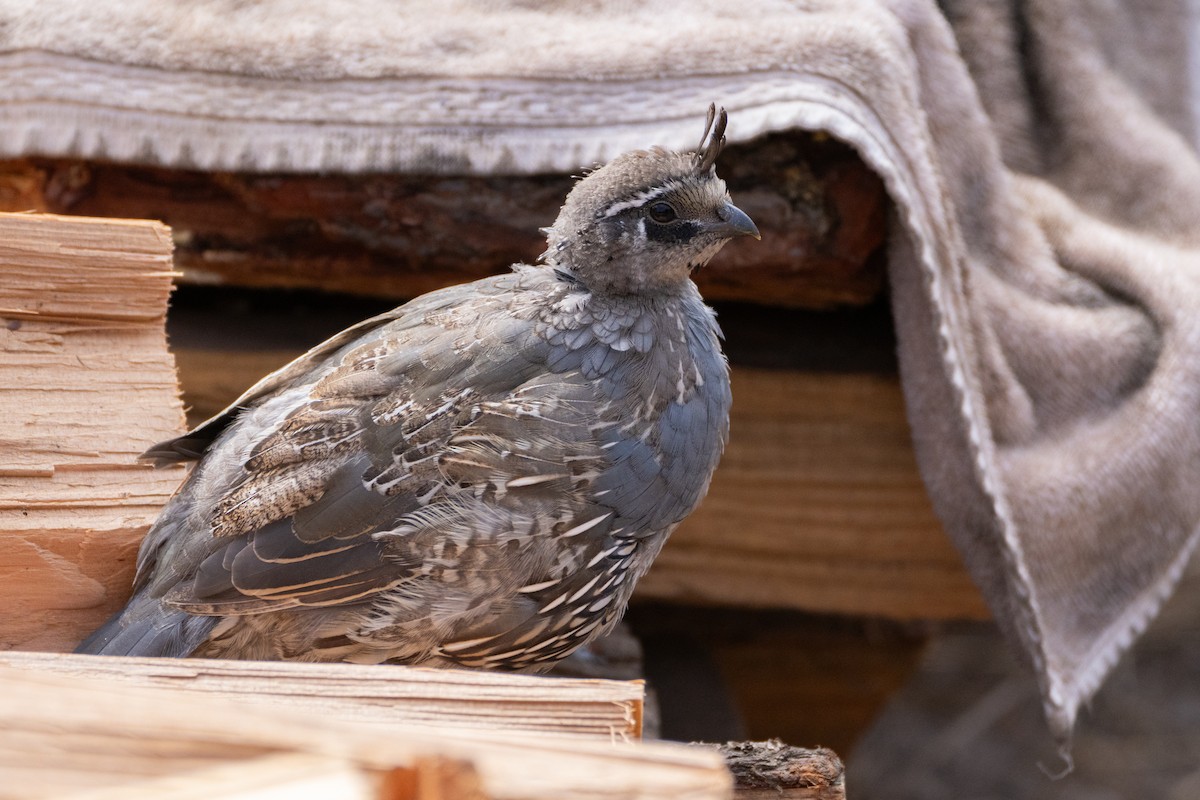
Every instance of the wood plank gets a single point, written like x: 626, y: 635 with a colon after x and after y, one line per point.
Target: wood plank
x: 86, y: 384
x: 821, y: 212
x: 376, y: 695
x: 271, y: 776
x: 817, y: 504
x: 59, y: 734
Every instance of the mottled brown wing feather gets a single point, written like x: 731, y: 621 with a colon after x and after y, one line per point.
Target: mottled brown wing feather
x: 406, y: 420
x: 193, y: 444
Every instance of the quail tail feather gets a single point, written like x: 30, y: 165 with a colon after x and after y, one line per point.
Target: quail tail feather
x: 146, y: 628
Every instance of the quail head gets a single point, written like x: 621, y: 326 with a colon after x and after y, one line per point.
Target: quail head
x: 477, y: 478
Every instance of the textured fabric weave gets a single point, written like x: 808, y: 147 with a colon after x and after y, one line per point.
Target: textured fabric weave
x: 1045, y: 256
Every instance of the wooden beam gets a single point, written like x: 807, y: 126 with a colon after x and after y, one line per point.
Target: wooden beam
x: 275, y: 775
x: 821, y: 212
x: 375, y: 695
x: 817, y: 505
x: 86, y: 384
x: 60, y: 734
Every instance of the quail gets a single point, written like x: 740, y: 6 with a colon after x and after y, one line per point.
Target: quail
x: 476, y: 478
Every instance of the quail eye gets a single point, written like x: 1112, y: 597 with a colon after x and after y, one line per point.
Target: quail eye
x: 663, y: 213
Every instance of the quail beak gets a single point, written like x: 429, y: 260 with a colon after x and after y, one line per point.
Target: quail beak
x: 734, y: 222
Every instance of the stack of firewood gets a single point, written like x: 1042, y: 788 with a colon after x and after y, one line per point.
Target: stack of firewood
x: 86, y: 383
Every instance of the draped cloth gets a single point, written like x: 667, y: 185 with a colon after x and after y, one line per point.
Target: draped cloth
x: 1044, y: 251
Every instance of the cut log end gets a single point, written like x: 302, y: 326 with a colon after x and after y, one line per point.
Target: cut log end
x: 88, y: 385
x: 775, y: 769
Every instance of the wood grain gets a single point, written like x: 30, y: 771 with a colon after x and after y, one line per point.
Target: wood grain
x: 297, y: 775
x: 376, y: 695
x: 60, y: 734
x: 817, y: 505
x: 86, y: 384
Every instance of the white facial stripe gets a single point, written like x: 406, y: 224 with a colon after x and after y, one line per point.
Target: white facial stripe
x: 636, y: 202
x: 639, y: 200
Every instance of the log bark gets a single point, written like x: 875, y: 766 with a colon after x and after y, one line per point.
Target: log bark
x: 776, y: 770
x: 820, y: 210
x: 86, y: 384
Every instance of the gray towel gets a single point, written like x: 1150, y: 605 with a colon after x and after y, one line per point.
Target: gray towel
x: 1044, y: 256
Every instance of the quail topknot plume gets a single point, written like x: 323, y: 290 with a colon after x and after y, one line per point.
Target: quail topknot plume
x: 476, y: 478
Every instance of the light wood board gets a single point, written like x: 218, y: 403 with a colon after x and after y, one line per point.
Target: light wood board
x: 86, y: 384
x: 61, y: 734
x: 369, y: 695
